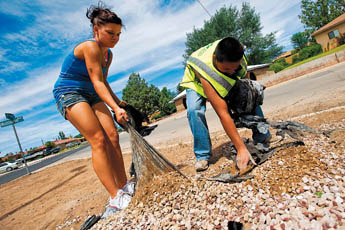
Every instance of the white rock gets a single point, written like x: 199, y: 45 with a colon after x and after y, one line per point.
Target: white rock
x: 311, y: 208
x: 306, y: 187
x: 334, y: 189
x: 339, y: 200
x: 262, y: 219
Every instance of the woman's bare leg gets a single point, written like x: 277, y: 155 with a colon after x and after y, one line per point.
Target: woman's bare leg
x: 82, y: 116
x: 113, y: 145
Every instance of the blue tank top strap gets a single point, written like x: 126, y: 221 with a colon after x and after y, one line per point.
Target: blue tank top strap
x: 107, y: 57
x: 74, y: 74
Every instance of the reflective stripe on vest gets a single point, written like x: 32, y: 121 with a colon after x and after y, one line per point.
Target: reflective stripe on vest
x: 210, y: 72
x: 201, y: 61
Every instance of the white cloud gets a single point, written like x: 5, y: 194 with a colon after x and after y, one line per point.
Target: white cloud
x: 119, y: 84
x: 14, y: 7
x: 28, y: 93
x: 9, y: 67
x: 166, y: 64
x: 148, y: 37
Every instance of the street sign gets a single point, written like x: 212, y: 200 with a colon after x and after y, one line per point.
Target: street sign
x: 10, y: 116
x: 9, y: 122
x: 12, y: 120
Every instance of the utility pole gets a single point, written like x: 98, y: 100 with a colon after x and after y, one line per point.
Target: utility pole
x: 204, y: 8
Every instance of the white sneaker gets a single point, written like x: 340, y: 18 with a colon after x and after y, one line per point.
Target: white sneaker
x: 121, y: 200
x: 118, y: 203
x: 109, y: 211
x: 129, y: 187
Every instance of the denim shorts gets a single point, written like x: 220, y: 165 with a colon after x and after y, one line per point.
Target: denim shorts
x: 74, y: 97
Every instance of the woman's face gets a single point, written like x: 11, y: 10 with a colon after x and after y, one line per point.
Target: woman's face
x: 108, y: 34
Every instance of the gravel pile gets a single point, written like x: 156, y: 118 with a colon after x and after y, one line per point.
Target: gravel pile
x: 298, y: 188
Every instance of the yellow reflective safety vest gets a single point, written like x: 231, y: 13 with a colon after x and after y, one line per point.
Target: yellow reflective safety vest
x: 201, y: 61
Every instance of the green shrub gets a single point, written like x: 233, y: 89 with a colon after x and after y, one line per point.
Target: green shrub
x: 295, y: 51
x: 50, y: 144
x: 341, y: 39
x: 279, y: 65
x: 157, y: 116
x: 295, y: 59
x: 276, y: 67
x: 309, y: 51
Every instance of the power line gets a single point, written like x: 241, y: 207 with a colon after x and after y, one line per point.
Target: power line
x: 205, y: 8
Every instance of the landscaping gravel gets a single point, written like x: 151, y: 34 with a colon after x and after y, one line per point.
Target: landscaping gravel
x: 299, y: 187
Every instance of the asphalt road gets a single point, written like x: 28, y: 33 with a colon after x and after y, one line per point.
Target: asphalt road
x: 308, y: 88
x: 41, y: 164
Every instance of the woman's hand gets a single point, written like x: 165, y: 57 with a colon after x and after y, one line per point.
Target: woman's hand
x: 121, y: 115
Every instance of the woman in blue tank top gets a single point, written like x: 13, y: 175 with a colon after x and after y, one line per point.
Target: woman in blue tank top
x: 82, y: 92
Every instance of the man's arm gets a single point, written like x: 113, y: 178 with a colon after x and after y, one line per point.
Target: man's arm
x: 228, y: 124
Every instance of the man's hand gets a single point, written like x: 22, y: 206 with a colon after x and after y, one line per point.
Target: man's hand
x: 121, y: 115
x: 243, y: 156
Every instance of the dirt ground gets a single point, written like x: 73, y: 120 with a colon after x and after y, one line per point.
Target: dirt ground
x: 63, y: 196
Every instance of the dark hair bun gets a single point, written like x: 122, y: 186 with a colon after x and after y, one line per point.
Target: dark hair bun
x: 100, y: 15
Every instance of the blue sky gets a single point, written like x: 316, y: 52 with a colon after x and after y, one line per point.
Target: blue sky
x: 36, y: 35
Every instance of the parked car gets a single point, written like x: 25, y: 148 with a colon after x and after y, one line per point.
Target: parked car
x: 72, y: 144
x: 19, y: 162
x: 8, y: 166
x: 34, y: 156
x: 52, y: 150
x: 29, y: 156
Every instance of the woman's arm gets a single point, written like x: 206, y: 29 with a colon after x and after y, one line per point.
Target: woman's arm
x: 116, y: 99
x: 228, y: 124
x: 93, y: 59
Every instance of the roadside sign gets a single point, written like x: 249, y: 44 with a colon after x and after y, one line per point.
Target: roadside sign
x: 12, y: 120
x: 10, y: 116
x: 9, y: 122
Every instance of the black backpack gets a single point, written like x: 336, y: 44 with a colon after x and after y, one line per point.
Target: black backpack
x: 245, y: 96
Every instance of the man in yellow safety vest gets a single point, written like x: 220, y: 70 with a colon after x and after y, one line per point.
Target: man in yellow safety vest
x: 210, y: 74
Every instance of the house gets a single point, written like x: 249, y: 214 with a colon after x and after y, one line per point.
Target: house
x: 62, y: 143
x: 180, y: 101
x: 260, y: 71
x: 287, y: 56
x: 327, y: 35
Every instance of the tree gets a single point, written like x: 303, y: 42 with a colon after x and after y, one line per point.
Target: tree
x: 78, y: 136
x: 147, y: 98
x: 165, y: 107
x: 62, y: 135
x: 299, y: 40
x: 243, y: 25
x: 140, y: 95
x: 50, y: 144
x: 179, y: 88
x: 317, y: 13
